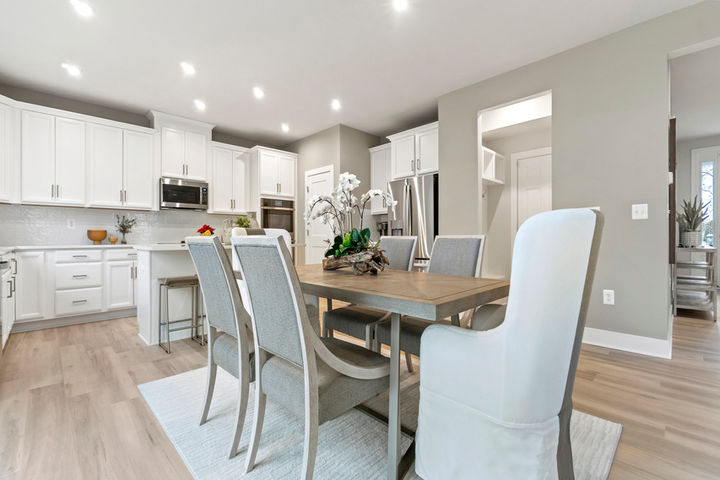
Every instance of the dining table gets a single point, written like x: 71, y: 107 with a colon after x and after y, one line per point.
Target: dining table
x: 428, y: 296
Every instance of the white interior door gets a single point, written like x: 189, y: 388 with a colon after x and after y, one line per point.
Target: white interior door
x: 317, y: 182
x: 534, y: 186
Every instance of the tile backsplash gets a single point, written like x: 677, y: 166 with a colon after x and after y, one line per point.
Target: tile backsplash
x: 40, y: 225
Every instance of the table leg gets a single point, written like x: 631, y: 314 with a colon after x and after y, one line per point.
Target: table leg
x: 394, y: 407
x: 455, y: 320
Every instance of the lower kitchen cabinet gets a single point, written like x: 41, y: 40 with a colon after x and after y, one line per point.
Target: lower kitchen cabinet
x: 30, y: 288
x: 120, y: 284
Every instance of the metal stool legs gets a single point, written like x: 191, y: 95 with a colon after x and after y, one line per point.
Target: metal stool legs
x: 196, y: 319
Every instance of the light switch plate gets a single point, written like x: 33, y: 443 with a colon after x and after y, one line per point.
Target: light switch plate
x: 71, y: 223
x: 609, y: 297
x: 640, y: 211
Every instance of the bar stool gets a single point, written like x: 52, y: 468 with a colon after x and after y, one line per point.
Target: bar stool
x: 197, y: 324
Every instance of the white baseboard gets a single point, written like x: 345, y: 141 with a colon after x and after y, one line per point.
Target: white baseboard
x: 654, y: 347
x: 30, y: 325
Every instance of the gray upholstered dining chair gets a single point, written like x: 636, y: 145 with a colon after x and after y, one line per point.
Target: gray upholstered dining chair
x: 359, y: 321
x: 459, y: 255
x: 230, y: 343
x: 312, y: 377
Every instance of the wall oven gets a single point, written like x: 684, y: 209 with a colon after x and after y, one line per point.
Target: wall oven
x: 184, y: 194
x: 278, y: 214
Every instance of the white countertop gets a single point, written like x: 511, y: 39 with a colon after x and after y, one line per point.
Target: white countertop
x: 91, y: 246
x: 164, y: 247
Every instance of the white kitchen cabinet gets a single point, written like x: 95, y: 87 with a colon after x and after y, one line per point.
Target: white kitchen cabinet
x: 138, y: 161
x: 286, y: 175
x: 31, y: 285
x: 53, y: 159
x: 414, y: 151
x: 427, y: 151
x: 276, y: 170
x: 105, y: 152
x: 121, y: 166
x: 229, y: 182
x: 7, y: 153
x: 120, y: 284
x: 184, y: 154
x: 380, y: 175
x: 38, y: 157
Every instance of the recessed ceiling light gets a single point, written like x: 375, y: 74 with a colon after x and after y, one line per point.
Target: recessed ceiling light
x: 258, y: 92
x: 200, y: 105
x: 187, y: 68
x: 285, y: 127
x: 400, y: 5
x: 72, y: 70
x: 82, y: 8
x: 335, y: 104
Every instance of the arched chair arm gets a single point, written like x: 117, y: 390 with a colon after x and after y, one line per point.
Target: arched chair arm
x: 488, y: 317
x: 348, y: 368
x: 464, y: 365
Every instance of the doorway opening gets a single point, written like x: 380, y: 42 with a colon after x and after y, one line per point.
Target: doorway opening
x: 695, y: 156
x: 515, y: 170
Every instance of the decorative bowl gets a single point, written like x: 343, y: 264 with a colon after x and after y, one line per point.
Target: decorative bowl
x: 112, y: 240
x: 97, y: 236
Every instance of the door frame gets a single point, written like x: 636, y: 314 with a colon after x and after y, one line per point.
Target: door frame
x: 306, y: 189
x: 514, y: 157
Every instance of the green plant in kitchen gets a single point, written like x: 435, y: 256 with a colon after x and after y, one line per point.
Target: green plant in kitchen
x: 124, y: 225
x: 242, y: 221
x: 690, y: 220
x: 351, y: 246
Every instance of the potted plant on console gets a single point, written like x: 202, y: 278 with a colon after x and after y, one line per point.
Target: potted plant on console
x: 351, y: 246
x: 690, y: 220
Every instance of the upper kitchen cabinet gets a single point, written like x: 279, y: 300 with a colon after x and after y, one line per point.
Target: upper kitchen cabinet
x: 229, y: 179
x: 53, y: 159
x: 380, y: 175
x: 121, y: 167
x: 184, y: 146
x: 414, y: 152
x: 8, y: 151
x: 274, y: 171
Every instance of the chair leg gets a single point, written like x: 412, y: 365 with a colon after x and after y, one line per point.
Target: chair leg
x: 564, y: 453
x: 311, y: 438
x: 241, y: 410
x: 408, y: 360
x: 212, y: 373
x: 260, y: 400
x: 369, y: 337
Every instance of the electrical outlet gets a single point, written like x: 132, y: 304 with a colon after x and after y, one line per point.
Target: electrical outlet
x: 609, y: 297
x: 640, y: 211
x: 71, y: 223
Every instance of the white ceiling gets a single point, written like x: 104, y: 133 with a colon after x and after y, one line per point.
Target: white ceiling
x: 388, y: 68
x: 695, y: 93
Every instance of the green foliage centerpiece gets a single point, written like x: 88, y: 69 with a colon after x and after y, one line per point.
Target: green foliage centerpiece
x: 351, y: 246
x: 691, y: 219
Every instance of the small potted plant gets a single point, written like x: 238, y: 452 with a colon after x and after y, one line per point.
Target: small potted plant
x: 242, y: 221
x: 206, y: 230
x: 690, y: 220
x: 124, y: 225
x: 351, y: 246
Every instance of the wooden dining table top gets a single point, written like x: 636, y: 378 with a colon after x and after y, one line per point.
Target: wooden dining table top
x: 430, y: 296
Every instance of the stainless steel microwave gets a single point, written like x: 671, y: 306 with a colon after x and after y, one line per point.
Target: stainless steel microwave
x: 184, y: 194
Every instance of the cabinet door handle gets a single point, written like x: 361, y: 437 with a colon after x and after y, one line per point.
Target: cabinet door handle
x: 57, y: 191
x: 52, y: 190
x: 14, y: 263
x: 121, y: 196
x: 132, y: 254
x: 418, y: 164
x: 412, y: 165
x: 77, y: 302
x: 80, y: 276
x: 9, y: 295
x: 79, y: 256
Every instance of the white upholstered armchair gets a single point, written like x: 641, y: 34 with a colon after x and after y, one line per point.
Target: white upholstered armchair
x: 497, y: 403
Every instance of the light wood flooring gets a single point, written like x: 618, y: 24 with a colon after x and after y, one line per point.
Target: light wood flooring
x: 70, y: 409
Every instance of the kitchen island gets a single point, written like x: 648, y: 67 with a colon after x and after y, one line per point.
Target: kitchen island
x: 155, y: 262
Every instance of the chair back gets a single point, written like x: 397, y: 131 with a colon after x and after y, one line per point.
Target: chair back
x: 270, y: 232
x: 279, y: 316
x: 399, y: 250
x: 460, y: 255
x: 221, y: 296
x: 552, y: 270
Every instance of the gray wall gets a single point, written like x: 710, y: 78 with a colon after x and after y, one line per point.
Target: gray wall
x: 496, y: 204
x: 610, y: 117
x: 39, y: 225
x: 341, y: 146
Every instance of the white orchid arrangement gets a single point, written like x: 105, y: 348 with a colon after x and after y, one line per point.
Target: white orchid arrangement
x: 338, y: 209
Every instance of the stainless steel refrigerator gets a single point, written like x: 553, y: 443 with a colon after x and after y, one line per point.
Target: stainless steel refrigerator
x: 417, y: 210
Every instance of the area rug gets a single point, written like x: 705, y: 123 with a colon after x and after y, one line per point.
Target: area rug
x: 352, y: 446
